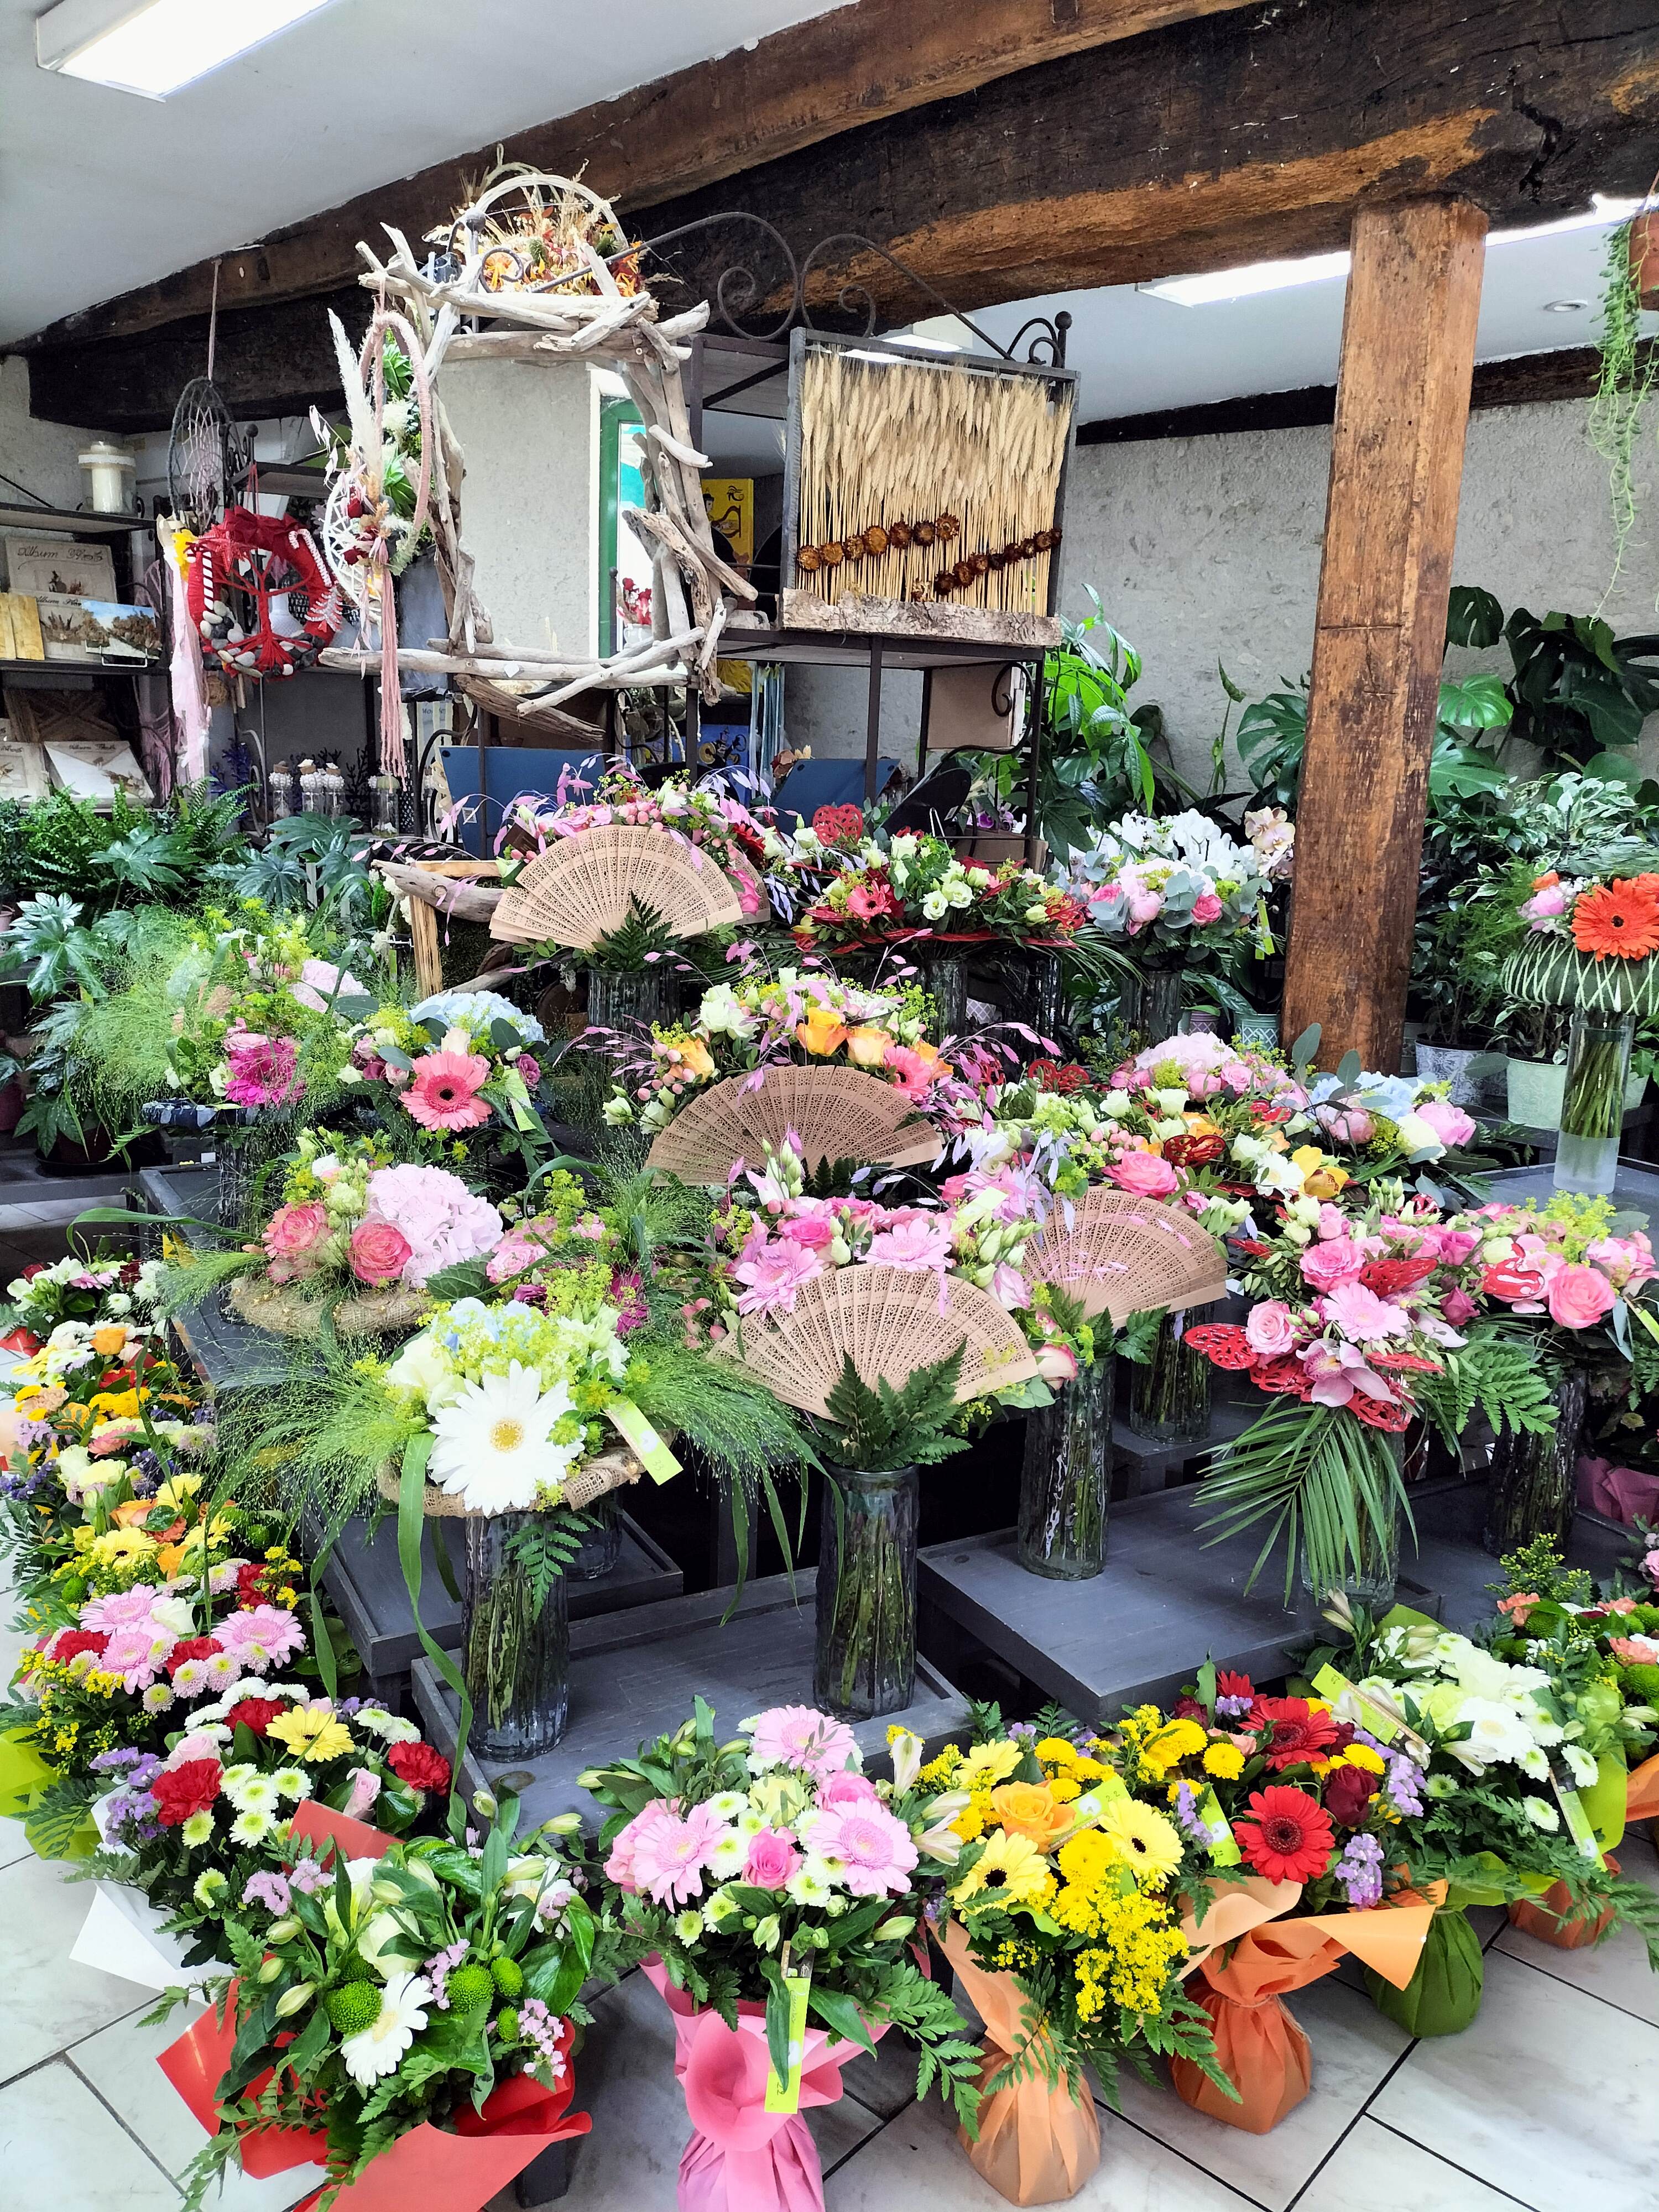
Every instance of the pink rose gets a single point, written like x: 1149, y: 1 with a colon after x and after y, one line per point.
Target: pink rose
x: 1144, y: 1174
x: 1449, y: 1123
x: 1650, y: 1566
x: 1458, y: 1245
x: 814, y: 1230
x: 1551, y: 900
x: 772, y: 1859
x: 1457, y: 1307
x: 1145, y: 907
x: 849, y: 1789
x: 1349, y: 1125
x: 1056, y: 1363
x: 1578, y: 1297
x: 1206, y: 908
x: 291, y: 1233
x: 379, y: 1253
x: 1271, y: 1328
x: 1328, y: 1263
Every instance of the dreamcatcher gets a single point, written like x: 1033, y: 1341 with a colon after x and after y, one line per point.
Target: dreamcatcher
x: 259, y: 596
x: 376, y: 512
x: 208, y: 457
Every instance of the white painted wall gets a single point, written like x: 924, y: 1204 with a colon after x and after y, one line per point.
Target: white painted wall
x: 41, y: 455
x: 1207, y: 547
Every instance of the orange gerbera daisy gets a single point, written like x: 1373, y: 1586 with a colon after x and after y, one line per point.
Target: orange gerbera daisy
x: 1621, y: 918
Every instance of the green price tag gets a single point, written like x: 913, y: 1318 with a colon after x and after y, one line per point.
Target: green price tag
x: 655, y: 1457
x: 1223, y: 1849
x: 1578, y: 1820
x: 1331, y: 1686
x: 785, y: 2096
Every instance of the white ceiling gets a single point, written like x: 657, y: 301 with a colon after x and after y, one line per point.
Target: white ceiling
x: 100, y: 191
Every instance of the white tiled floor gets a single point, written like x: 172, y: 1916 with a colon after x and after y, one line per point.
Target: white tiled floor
x: 1549, y: 2101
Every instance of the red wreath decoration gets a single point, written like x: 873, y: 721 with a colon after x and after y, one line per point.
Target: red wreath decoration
x: 235, y: 576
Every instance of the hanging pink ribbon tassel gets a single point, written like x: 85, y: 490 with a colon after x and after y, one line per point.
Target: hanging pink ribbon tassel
x: 392, y: 761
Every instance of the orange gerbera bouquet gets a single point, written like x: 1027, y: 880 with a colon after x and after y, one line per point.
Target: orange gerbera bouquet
x: 1618, y: 920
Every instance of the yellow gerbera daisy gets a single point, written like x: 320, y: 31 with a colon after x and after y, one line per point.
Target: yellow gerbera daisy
x: 119, y: 1547
x: 1142, y: 1840
x: 987, y: 1764
x: 1010, y: 1871
x: 312, y: 1732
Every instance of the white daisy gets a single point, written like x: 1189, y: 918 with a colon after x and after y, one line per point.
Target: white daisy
x: 379, y: 2048
x: 250, y: 1827
x: 492, y: 1448
x: 390, y: 1728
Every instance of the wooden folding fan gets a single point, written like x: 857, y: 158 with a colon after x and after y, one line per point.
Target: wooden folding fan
x: 835, y: 1113
x: 1122, y: 1254
x: 584, y: 887
x: 892, y: 1320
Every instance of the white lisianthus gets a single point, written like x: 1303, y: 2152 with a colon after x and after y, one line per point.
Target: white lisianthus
x: 722, y: 1013
x: 616, y: 1110
x: 425, y: 1369
x: 1418, y: 1136
x: 935, y: 906
x: 959, y: 892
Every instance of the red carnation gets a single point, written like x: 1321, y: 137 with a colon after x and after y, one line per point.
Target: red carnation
x: 419, y: 1765
x: 255, y: 1713
x: 191, y: 1647
x: 1223, y: 1343
x: 1286, y: 1836
x: 1188, y: 1709
x: 179, y: 1791
x: 1348, y: 1794
x: 1298, y: 1734
x: 1387, y: 1278
x: 35, y: 1268
x: 72, y: 1642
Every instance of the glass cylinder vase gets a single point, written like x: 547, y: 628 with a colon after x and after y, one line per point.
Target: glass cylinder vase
x: 641, y: 995
x: 1160, y: 1004
x: 1169, y: 1396
x: 1065, y: 1481
x: 864, y: 1661
x: 1371, y: 1580
x: 943, y: 972
x: 1042, y: 993
x: 601, y: 1547
x: 241, y: 1150
x: 1593, y: 1102
x: 1532, y: 1489
x: 515, y: 1653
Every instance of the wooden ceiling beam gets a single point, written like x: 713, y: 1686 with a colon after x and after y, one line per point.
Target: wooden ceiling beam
x: 873, y: 58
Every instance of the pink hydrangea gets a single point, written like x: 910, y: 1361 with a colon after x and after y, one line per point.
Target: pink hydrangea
x: 872, y: 1846
x: 441, y: 1220
x: 797, y: 1735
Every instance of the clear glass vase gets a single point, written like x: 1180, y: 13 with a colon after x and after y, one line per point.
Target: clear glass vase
x: 864, y: 1661
x: 1593, y: 1102
x: 516, y: 1655
x: 1065, y: 1481
x: 1042, y: 993
x: 1532, y: 1489
x: 241, y: 1150
x: 601, y: 1546
x: 1371, y: 1580
x: 1160, y: 1003
x: 943, y: 971
x: 1169, y: 1397
x: 620, y: 1001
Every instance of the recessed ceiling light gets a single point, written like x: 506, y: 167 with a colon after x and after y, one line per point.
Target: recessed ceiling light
x: 153, y: 47
x: 1566, y: 307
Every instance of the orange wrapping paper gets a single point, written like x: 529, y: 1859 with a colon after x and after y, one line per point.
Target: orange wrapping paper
x: 1642, y: 1790
x: 1553, y: 1920
x: 1259, y: 2046
x: 198, y: 2061
x: 1036, y: 2145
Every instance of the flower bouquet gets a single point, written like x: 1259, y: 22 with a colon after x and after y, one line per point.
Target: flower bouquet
x: 703, y: 817
x: 357, y: 1237
x: 457, y: 1061
x: 90, y: 1288
x: 1589, y: 945
x: 917, y: 886
x: 1060, y: 1924
x: 405, y: 2017
x: 1290, y: 1818
x: 779, y: 1893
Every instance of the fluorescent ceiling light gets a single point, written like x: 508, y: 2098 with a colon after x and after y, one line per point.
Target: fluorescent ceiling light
x: 1240, y: 283
x: 152, y: 47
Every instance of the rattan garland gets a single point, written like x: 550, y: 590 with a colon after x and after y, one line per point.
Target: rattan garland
x: 282, y: 1310
x: 594, y: 1479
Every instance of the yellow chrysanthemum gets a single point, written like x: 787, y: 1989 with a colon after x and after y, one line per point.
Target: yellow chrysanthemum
x: 1224, y: 1760
x: 1181, y: 1738
x: 988, y: 1763
x: 311, y: 1732
x: 1011, y: 1871
x: 1064, y: 1788
x: 1142, y: 1840
x: 969, y: 1823
x: 1362, y: 1756
x: 1055, y: 1751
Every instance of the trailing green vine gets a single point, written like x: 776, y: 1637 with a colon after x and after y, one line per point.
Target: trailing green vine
x: 1629, y: 371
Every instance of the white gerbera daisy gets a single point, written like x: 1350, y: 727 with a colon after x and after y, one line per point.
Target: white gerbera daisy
x: 492, y: 1448
x: 377, y: 2050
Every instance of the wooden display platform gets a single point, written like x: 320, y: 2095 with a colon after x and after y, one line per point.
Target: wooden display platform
x: 365, y: 1580
x: 633, y: 1675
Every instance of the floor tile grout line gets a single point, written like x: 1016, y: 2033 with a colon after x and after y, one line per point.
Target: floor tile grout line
x: 1363, y: 2114
x: 1508, y: 2196
x: 1186, y: 2158
x: 132, y: 2136
x: 1561, y: 1982
x: 880, y: 2127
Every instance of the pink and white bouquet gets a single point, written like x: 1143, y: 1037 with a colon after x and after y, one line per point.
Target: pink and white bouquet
x: 702, y: 816
x: 1566, y: 1271
x: 348, y: 1212
x: 737, y: 1862
x: 1176, y: 884
x: 458, y: 1061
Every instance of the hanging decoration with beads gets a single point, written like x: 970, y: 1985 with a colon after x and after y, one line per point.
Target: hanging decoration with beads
x: 259, y: 597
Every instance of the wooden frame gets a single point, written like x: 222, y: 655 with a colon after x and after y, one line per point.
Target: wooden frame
x: 423, y: 918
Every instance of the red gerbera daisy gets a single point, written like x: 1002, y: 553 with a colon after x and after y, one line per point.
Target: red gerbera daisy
x: 1286, y: 1836
x: 1222, y: 1342
x: 1230, y: 1685
x: 1297, y: 1734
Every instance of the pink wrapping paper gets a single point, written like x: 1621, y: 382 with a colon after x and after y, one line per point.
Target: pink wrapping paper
x: 1623, y: 1493
x: 742, y: 2158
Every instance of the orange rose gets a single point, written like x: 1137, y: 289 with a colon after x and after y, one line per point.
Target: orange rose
x: 821, y: 1032
x: 867, y: 1047
x: 695, y: 1058
x: 109, y: 1339
x: 1030, y: 1809
x: 129, y: 1515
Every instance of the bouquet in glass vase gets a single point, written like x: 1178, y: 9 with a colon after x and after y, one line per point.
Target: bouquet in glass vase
x: 405, y: 2017
x: 1061, y: 1922
x: 779, y: 1895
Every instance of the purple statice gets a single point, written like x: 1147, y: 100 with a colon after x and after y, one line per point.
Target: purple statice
x: 438, y: 1971
x: 1187, y: 1812
x: 347, y: 1706
x: 1404, y: 1785
x: 1360, y: 1870
x: 24, y: 1484
x: 111, y: 1762
x: 268, y: 1889
x: 540, y: 2030
x: 307, y: 1876
x: 130, y: 1818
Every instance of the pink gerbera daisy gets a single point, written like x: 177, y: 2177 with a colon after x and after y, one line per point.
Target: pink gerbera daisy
x: 444, y: 1094
x: 873, y: 1848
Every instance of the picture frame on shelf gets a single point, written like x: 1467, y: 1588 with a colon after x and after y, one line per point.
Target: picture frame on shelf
x: 62, y: 568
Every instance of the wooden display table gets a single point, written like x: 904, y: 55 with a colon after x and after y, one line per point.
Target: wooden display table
x: 633, y: 1675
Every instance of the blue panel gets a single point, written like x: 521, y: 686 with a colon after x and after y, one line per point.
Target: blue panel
x: 533, y: 770
x: 817, y: 783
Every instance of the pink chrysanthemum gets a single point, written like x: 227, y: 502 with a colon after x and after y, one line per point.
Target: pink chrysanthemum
x: 444, y: 1093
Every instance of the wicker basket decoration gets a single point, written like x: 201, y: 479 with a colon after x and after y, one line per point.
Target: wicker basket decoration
x: 283, y: 1310
x: 835, y: 1113
x: 583, y: 887
x: 612, y: 1470
x: 892, y: 1320
x: 1121, y: 1254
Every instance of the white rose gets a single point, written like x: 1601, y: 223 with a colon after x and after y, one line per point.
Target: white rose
x: 1418, y: 1135
x: 935, y: 906
x: 424, y: 1367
